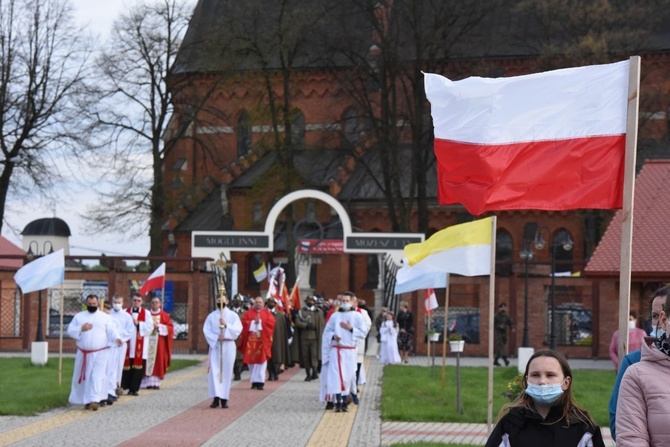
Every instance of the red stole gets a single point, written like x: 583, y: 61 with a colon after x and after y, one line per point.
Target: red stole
x: 139, y: 343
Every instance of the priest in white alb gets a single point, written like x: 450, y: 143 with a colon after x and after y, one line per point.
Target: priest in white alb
x: 342, y: 333
x: 93, y: 331
x: 117, y: 354
x: 221, y: 329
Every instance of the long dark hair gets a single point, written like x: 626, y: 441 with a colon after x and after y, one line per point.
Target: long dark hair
x: 570, y: 412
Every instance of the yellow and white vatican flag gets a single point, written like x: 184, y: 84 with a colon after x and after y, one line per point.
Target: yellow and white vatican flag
x: 463, y: 249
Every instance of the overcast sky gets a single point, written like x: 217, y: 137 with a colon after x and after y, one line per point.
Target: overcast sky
x: 98, y: 17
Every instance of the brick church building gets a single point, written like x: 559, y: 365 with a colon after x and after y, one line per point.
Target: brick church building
x: 257, y: 118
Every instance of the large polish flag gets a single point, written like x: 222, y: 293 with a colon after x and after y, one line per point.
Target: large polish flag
x: 549, y: 141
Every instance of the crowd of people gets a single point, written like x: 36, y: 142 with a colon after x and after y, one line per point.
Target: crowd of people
x: 124, y: 349
x: 118, y: 349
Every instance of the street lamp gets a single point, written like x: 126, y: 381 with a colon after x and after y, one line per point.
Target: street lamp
x: 530, y: 236
x: 562, y: 241
x: 32, y: 254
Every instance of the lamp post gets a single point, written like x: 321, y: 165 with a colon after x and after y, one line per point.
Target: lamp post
x: 32, y: 255
x: 527, y: 255
x: 563, y: 241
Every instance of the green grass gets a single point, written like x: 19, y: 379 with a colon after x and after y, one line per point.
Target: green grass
x: 411, y: 394
x: 27, y: 389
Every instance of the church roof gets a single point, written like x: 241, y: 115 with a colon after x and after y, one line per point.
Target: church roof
x: 651, y: 215
x: 341, y: 29
x: 48, y: 226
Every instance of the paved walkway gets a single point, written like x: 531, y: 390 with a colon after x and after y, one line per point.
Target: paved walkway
x: 286, y: 413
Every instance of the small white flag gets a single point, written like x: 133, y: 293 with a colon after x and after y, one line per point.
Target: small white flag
x: 42, y: 273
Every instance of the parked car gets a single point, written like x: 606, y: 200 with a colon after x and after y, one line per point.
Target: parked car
x: 180, y: 329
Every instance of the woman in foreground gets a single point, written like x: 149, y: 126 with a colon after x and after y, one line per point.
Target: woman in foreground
x: 545, y: 413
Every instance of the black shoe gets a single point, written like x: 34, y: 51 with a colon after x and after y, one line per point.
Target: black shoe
x: 271, y: 377
x: 103, y: 403
x: 338, y: 408
x: 87, y: 407
x: 496, y: 363
x: 237, y: 377
x: 109, y: 402
x: 330, y: 405
x: 254, y: 385
x: 133, y: 393
x: 354, y: 398
x: 260, y: 386
x: 224, y: 403
x: 345, y: 407
x: 506, y: 361
x: 112, y: 398
x: 315, y: 376
x: 215, y: 403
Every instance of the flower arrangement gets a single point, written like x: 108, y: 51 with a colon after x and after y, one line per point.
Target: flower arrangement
x: 455, y: 336
x: 514, y: 388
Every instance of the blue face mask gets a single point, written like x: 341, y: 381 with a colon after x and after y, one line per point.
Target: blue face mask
x: 656, y: 332
x: 544, y: 394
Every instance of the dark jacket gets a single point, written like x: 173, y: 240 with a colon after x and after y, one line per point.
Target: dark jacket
x: 405, y: 321
x: 527, y: 429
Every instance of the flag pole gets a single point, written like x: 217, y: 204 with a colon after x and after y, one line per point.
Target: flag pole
x: 444, y: 330
x: 60, y: 338
x: 492, y: 286
x: 628, y: 203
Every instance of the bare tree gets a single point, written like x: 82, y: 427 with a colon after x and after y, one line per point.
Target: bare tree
x: 42, y: 71
x: 385, y: 83
x: 133, y: 80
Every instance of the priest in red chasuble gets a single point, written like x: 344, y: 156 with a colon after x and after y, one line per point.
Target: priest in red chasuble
x: 160, y: 346
x: 255, y: 342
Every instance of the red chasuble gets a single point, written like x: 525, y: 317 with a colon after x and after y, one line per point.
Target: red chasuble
x: 256, y: 349
x: 164, y: 348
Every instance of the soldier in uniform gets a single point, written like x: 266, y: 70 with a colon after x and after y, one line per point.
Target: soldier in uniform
x: 309, y: 320
x: 502, y: 322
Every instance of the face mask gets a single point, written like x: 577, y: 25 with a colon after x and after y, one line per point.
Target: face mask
x: 92, y: 308
x: 631, y: 325
x: 545, y: 394
x: 345, y: 306
x: 116, y: 306
x: 656, y: 332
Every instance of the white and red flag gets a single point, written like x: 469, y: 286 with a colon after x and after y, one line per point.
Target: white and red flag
x: 551, y: 141
x: 155, y: 281
x: 430, y: 301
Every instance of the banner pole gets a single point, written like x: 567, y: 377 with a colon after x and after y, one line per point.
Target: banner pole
x: 628, y: 203
x: 445, y: 331
x: 60, y: 337
x: 492, y: 286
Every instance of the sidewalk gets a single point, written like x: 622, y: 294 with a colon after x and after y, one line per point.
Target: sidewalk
x: 286, y: 413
